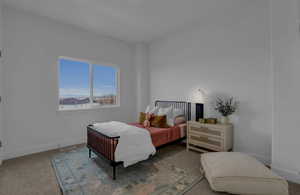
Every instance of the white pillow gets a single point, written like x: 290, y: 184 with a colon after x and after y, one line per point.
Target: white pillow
x: 177, y: 112
x: 169, y: 113
x: 152, y: 109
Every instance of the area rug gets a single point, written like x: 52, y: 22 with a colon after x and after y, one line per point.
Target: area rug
x: 79, y: 175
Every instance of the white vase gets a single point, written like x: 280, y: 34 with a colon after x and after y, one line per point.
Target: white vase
x: 224, y: 120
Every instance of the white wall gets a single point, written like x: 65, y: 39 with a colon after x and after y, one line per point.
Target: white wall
x: 226, y: 53
x: 286, y: 62
x: 142, y: 75
x: 32, y: 46
x: 1, y: 80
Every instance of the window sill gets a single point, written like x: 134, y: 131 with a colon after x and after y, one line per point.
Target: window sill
x: 89, y: 107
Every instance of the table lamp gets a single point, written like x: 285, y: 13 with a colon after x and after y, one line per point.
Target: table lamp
x: 198, y: 99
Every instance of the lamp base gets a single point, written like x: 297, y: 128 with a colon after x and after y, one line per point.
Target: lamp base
x: 199, y: 111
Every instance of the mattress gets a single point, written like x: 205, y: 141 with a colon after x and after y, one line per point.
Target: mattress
x: 161, y: 136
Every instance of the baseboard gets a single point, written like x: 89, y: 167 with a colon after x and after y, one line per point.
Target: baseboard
x: 42, y: 148
x: 265, y: 159
x: 261, y: 158
x: 287, y: 174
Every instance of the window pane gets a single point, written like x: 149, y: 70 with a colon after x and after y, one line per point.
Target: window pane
x: 73, y: 82
x: 105, y: 85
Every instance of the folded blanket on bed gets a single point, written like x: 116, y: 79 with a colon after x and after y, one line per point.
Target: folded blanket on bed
x: 134, y: 145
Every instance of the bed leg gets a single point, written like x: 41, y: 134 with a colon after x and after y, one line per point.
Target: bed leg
x: 114, y: 172
x: 90, y: 153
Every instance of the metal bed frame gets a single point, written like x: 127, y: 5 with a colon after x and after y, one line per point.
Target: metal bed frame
x: 105, y: 146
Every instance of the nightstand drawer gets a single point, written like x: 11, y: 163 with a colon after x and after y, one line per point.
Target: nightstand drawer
x: 204, y: 145
x: 213, y: 137
x: 206, y: 130
x: 205, y: 139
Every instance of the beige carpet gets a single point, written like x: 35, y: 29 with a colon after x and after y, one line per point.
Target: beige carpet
x: 34, y: 175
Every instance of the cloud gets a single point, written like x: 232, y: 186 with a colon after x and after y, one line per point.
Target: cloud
x: 68, y: 92
x: 104, y: 91
x: 84, y: 92
x: 105, y: 86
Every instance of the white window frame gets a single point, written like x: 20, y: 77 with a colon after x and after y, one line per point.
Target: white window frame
x: 90, y: 105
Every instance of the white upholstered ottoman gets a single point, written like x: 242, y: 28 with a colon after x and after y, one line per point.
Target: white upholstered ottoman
x: 238, y: 173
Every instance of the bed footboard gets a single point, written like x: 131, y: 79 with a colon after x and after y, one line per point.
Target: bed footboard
x: 102, y: 145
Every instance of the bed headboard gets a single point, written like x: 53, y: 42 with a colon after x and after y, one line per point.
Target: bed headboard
x: 185, y: 106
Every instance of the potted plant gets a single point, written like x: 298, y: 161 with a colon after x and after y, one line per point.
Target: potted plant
x: 225, y: 107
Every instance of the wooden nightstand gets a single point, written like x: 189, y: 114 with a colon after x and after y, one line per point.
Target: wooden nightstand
x: 209, y: 137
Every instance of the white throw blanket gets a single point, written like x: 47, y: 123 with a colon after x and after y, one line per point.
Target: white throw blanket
x: 134, y: 145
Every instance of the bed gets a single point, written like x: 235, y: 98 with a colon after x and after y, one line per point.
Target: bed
x: 162, y: 136
x: 104, y: 146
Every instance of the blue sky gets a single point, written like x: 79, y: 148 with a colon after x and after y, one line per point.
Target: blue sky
x: 74, y: 79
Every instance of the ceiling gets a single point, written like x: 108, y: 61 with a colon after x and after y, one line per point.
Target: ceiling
x: 129, y: 20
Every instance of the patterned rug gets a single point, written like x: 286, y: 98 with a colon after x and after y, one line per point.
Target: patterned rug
x: 79, y: 175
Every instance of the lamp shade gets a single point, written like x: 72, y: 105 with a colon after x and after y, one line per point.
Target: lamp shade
x: 198, y: 96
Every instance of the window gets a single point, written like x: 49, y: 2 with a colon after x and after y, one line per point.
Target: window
x: 83, y: 84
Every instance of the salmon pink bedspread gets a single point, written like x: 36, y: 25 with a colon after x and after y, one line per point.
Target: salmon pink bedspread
x: 161, y: 136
